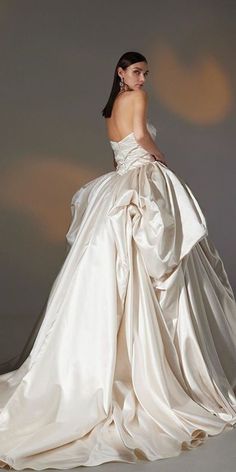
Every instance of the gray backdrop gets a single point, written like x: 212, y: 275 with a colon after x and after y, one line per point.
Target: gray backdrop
x: 57, y: 63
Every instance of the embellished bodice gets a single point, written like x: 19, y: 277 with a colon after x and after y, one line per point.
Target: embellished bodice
x: 129, y: 154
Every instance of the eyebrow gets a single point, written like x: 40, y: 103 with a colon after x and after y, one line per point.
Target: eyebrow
x: 136, y: 67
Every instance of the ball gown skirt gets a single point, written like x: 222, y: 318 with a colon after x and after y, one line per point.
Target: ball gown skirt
x: 135, y: 356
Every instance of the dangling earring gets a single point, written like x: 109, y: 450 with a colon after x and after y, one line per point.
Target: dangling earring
x: 122, y: 85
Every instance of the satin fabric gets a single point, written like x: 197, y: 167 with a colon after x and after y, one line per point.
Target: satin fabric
x: 135, y: 358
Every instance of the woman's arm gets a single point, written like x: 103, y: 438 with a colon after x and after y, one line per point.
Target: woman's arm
x: 141, y: 133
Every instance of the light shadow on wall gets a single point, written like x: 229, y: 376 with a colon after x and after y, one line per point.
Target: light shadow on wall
x: 41, y: 189
x: 200, y: 92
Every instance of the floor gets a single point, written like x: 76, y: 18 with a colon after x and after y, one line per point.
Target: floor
x: 217, y: 454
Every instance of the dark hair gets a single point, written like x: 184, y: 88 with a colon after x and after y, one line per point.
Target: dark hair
x: 125, y: 60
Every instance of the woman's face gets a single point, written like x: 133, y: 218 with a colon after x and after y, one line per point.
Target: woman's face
x: 134, y: 75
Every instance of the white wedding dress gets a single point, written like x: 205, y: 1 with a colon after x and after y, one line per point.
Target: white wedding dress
x: 135, y: 358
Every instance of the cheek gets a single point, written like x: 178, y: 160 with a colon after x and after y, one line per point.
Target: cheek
x: 133, y: 77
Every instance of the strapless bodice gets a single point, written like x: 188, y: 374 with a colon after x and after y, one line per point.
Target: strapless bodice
x: 129, y: 154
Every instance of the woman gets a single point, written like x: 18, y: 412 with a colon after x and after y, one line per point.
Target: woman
x: 135, y: 357
x: 129, y: 110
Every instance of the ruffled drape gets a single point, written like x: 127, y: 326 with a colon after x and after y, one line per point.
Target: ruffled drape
x: 135, y: 355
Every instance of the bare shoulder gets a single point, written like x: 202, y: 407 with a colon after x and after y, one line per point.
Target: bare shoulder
x: 135, y: 95
x: 140, y: 95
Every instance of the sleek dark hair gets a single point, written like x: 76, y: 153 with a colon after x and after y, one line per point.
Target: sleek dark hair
x: 125, y: 60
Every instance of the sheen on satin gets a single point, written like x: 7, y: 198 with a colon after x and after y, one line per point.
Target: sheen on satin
x: 135, y: 358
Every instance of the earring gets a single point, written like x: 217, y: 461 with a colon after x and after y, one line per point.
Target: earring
x: 122, y: 85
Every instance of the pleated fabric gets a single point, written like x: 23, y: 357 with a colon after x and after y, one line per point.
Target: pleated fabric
x: 135, y: 356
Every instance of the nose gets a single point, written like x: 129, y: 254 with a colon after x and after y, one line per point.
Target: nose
x: 142, y: 80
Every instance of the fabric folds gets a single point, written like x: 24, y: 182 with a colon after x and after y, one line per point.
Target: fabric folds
x: 135, y: 356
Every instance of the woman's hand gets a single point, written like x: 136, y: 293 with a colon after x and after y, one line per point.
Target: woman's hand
x: 160, y: 157
x: 114, y: 161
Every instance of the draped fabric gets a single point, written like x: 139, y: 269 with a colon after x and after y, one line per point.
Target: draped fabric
x: 134, y: 356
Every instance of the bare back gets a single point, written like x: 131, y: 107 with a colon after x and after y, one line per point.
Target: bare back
x: 120, y: 124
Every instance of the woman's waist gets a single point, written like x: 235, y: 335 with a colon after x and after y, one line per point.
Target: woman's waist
x: 132, y: 160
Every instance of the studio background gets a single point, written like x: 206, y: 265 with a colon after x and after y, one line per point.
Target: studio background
x: 57, y: 64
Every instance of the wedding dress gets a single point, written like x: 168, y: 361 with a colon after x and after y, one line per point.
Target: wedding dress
x: 135, y: 358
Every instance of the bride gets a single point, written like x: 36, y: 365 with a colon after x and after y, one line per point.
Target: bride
x: 135, y: 356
